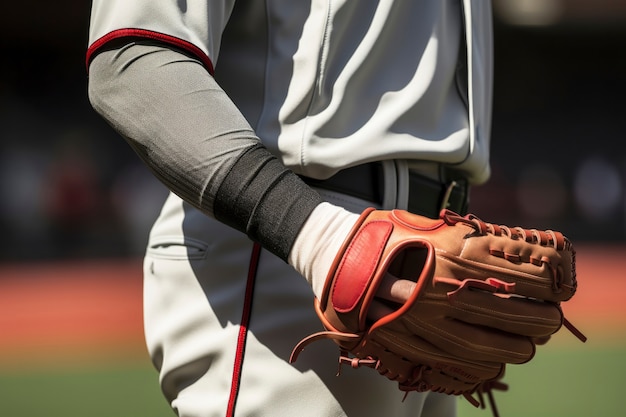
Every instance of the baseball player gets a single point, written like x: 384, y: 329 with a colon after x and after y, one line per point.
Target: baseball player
x: 275, y: 124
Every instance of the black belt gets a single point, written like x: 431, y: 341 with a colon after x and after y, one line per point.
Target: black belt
x: 426, y: 196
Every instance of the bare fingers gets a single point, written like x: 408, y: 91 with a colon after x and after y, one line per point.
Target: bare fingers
x: 394, y: 289
x: 392, y: 293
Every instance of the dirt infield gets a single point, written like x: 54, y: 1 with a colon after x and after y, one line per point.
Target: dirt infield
x: 83, y: 310
x: 70, y: 311
x: 599, y: 304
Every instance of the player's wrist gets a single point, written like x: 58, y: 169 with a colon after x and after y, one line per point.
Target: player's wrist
x: 318, y: 242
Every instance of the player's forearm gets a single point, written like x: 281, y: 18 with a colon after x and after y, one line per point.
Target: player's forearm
x: 195, y: 140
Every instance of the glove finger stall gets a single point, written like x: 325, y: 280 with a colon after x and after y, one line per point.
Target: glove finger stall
x: 503, y: 312
x: 468, y: 341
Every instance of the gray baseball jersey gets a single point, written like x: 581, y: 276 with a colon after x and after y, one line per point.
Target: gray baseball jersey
x: 325, y: 85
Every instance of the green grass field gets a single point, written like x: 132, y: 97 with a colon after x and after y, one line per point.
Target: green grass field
x: 107, y: 390
x: 573, y: 381
x: 580, y: 381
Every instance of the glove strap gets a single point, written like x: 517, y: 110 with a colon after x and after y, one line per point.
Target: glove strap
x: 337, y: 336
x: 569, y: 326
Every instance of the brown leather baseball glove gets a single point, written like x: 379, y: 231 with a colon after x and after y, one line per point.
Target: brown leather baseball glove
x: 482, y: 296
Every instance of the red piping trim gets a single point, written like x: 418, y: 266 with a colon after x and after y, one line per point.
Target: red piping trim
x: 149, y: 34
x: 243, y: 329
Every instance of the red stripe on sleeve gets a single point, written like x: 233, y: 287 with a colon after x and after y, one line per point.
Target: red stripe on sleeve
x: 148, y: 34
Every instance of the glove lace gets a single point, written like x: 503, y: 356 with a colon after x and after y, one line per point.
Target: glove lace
x: 417, y: 383
x: 534, y: 236
x: 345, y: 358
x: 541, y: 237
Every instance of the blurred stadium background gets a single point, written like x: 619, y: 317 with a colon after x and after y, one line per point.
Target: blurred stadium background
x: 76, y: 206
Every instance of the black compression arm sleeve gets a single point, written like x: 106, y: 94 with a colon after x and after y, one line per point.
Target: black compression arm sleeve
x: 266, y: 200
